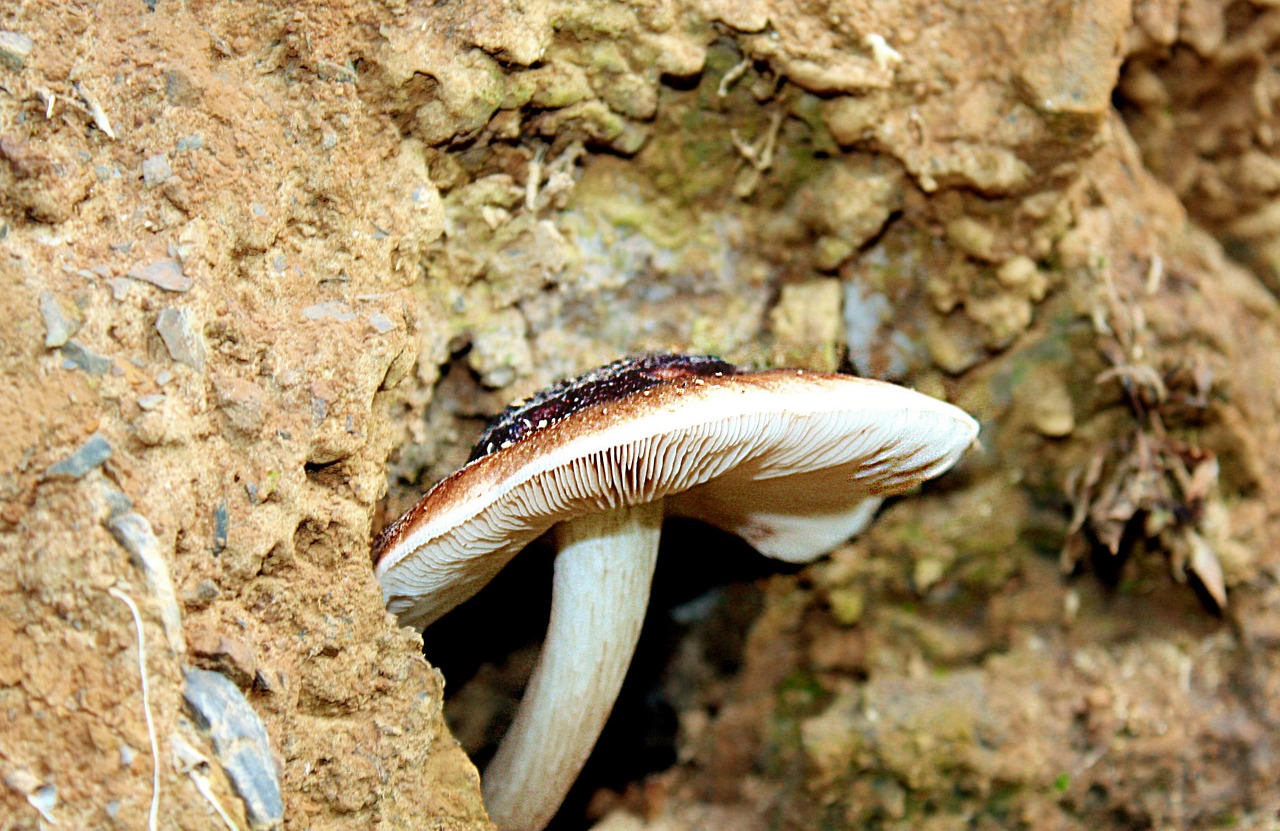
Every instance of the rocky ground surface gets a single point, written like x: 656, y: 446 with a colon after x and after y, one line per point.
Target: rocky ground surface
x: 268, y: 268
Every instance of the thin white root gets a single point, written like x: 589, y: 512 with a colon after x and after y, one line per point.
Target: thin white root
x: 146, y: 704
x: 602, y: 576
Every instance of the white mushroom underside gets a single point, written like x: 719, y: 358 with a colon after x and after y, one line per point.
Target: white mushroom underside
x: 788, y: 471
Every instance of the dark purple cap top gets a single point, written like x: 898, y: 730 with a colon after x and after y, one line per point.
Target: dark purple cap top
x: 602, y: 385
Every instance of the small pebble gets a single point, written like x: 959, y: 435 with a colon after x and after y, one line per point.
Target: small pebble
x: 381, y: 323
x: 165, y: 274
x: 44, y: 799
x: 182, y: 337
x: 192, y: 142
x: 223, y: 653
x: 93, y: 453
x: 330, y: 71
x: 319, y: 409
x: 164, y: 376
x: 15, y: 48
x: 207, y: 591
x: 150, y: 402
x: 239, y: 741
x: 58, y: 327
x: 156, y: 170
x: 242, y: 402
x: 221, y: 526
x: 119, y: 288
x: 334, y: 309
x: 115, y: 499
x: 75, y: 356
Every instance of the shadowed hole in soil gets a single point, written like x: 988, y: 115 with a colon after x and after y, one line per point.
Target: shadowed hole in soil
x: 704, y: 587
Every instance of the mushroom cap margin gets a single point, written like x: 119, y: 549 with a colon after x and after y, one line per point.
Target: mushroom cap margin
x: 783, y: 458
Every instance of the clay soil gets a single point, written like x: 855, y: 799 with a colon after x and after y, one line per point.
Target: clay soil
x: 268, y: 268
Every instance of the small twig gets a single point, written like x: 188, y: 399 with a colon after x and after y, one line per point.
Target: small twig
x: 188, y: 760
x: 206, y: 790
x: 1092, y: 758
x: 51, y: 100
x: 759, y: 154
x: 1140, y: 375
x: 146, y: 704
x: 732, y: 75
x: 1154, y: 275
x: 98, y: 114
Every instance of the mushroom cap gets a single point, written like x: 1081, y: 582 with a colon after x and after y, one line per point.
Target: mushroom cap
x: 787, y: 459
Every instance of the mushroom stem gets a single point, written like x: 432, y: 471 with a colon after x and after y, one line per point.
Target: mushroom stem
x: 603, y: 572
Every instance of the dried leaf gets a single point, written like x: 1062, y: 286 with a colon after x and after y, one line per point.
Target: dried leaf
x: 1205, y: 566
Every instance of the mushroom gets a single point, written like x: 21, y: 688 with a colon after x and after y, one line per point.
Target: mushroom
x: 792, y: 461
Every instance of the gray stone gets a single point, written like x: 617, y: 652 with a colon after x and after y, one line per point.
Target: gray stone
x: 221, y: 527
x: 165, y: 274
x: 239, y: 741
x: 133, y: 532
x: 119, y: 287
x: 15, y: 48
x: 381, y: 323
x: 58, y: 325
x: 115, y: 499
x: 182, y: 337
x: 75, y: 356
x: 334, y: 309
x: 330, y: 71
x: 94, y: 452
x: 156, y: 170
